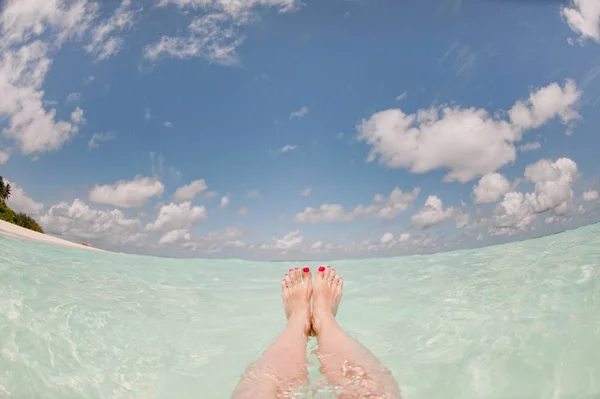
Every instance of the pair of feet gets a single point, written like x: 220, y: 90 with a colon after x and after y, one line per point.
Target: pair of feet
x: 298, y: 289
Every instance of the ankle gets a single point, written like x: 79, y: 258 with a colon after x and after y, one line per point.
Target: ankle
x: 322, y: 321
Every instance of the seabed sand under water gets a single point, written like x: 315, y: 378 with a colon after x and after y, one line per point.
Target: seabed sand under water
x: 517, y: 321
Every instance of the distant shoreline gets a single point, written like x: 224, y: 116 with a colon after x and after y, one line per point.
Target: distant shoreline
x: 13, y: 230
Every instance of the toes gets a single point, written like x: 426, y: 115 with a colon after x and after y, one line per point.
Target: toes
x: 306, y: 274
x: 297, y: 275
x: 336, y: 280
x: 330, y: 275
x: 288, y: 281
x: 290, y: 273
x: 321, y: 272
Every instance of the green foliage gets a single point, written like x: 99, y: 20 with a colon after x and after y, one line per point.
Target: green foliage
x: 8, y: 215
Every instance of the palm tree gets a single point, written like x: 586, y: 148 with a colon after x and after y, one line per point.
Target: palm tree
x: 6, y: 192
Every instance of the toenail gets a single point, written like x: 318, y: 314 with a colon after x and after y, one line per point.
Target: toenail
x: 321, y: 268
x: 306, y: 270
x: 290, y: 270
x: 328, y: 267
x: 296, y: 269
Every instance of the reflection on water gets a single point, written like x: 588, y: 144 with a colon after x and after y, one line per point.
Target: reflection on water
x: 514, y: 321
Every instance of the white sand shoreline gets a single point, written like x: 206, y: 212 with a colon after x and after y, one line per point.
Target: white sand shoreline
x: 13, y: 230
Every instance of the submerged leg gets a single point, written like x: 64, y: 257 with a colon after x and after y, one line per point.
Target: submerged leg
x: 283, y: 366
x: 348, y: 365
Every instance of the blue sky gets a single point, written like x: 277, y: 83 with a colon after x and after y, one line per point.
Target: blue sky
x: 291, y: 116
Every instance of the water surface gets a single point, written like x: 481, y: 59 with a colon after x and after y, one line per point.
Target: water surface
x: 507, y: 322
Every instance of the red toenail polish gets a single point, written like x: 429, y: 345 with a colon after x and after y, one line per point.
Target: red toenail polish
x: 328, y: 267
x: 306, y: 270
x: 296, y: 268
x: 321, y: 269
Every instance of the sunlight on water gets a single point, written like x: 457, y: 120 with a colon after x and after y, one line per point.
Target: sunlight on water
x: 514, y: 321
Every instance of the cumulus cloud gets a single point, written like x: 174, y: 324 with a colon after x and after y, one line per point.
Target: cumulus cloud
x: 127, y: 193
x: 384, y: 208
x: 19, y: 201
x: 215, y: 35
x: 177, y: 217
x: 590, y: 195
x: 553, y: 191
x: 105, y: 39
x: 490, y: 188
x: 31, y: 31
x: 217, y: 241
x: 79, y: 220
x: 583, y: 16
x: 189, y: 191
x: 431, y: 213
x: 300, y: 113
x: 468, y: 142
x: 174, y: 236
x: 306, y: 192
x: 291, y: 240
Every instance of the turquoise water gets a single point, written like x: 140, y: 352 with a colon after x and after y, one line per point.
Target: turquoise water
x: 514, y: 321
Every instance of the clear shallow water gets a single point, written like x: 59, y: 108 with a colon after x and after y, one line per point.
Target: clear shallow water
x: 514, y: 321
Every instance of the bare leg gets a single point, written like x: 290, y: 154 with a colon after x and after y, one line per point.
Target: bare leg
x: 282, y: 367
x: 344, y: 361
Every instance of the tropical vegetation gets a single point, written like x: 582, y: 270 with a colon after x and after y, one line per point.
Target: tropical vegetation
x: 8, y: 215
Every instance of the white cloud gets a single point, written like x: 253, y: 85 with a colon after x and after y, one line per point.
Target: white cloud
x: 590, y: 195
x: 216, y: 34
x: 387, y: 238
x: 189, y: 191
x: 300, y: 113
x: 127, y: 194
x: 74, y: 98
x: 490, y: 188
x: 4, y: 156
x: 291, y: 240
x: 19, y: 201
x: 224, y: 202
x: 545, y: 104
x: 583, y: 16
x: 553, y: 183
x: 306, y: 192
x: 467, y: 142
x: 175, y: 236
x: 243, y: 211
x: 402, y: 96
x: 77, y: 220
x: 253, y: 194
x: 384, y: 208
x: 431, y: 213
x: 105, y: 41
x: 168, y: 125
x: 531, y: 146
x: 177, y: 216
x: 77, y: 116
x: 217, y: 241
x: 286, y: 148
x: 99, y: 137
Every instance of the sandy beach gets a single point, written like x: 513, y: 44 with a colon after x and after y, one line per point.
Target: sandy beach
x: 13, y: 230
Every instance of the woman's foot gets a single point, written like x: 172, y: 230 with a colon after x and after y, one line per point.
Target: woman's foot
x: 296, y: 291
x: 327, y: 293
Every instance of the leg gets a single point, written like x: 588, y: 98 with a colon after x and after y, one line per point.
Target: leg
x: 282, y: 367
x: 345, y: 362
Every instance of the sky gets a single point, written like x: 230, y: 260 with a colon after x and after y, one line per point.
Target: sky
x: 301, y: 129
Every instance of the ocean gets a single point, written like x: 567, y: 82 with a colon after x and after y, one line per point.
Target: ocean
x: 517, y: 321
